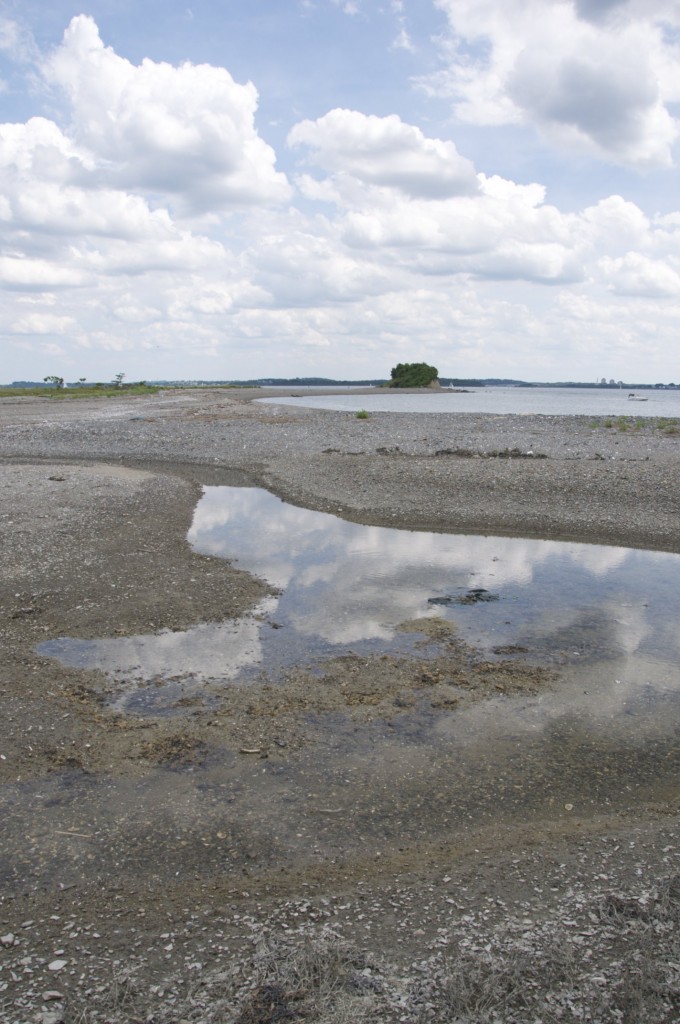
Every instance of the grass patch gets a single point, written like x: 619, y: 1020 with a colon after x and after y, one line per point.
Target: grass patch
x: 66, y: 394
x: 362, y: 414
x: 622, y: 423
x: 668, y: 426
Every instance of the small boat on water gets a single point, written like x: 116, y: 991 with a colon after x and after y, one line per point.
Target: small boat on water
x: 632, y: 397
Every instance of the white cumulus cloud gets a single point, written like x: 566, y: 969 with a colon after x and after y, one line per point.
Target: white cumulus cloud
x: 637, y: 274
x: 42, y: 323
x: 386, y: 151
x: 141, y: 211
x: 37, y: 274
x: 396, y: 190
x: 187, y: 132
x: 600, y: 77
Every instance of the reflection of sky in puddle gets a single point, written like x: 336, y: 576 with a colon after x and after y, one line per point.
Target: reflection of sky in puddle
x: 345, y: 586
x: 199, y: 651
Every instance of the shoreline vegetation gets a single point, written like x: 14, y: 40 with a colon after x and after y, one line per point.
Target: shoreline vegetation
x: 72, y: 389
x: 79, y: 392
x: 293, y: 850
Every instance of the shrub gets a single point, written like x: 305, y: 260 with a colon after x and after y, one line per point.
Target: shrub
x: 412, y: 375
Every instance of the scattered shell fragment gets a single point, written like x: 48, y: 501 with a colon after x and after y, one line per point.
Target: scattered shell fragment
x: 49, y: 997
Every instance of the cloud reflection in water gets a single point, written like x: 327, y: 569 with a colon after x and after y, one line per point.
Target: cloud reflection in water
x: 344, y: 582
x: 611, y: 612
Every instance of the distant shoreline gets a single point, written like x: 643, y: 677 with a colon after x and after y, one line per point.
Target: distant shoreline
x: 320, y: 382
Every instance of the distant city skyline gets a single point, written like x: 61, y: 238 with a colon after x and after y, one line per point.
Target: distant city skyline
x: 329, y: 187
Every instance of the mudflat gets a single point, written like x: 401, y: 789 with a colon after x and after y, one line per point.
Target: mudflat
x: 178, y: 867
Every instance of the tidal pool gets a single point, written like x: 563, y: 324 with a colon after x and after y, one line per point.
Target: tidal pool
x: 608, y: 617
x: 603, y: 740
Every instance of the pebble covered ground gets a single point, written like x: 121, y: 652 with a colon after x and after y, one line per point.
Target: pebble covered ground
x: 108, y: 918
x: 582, y: 930
x: 568, y: 477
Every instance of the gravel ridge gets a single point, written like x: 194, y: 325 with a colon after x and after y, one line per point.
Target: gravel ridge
x: 567, y: 477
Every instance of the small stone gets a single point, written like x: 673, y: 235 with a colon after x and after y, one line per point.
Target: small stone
x: 57, y: 965
x: 51, y: 997
x: 52, y: 1017
x: 7, y: 940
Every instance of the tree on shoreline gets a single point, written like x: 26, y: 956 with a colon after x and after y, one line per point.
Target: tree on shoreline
x: 413, y: 375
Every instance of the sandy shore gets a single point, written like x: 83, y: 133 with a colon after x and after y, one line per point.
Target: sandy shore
x: 144, y: 846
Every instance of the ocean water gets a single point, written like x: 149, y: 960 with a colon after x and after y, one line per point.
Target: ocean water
x: 520, y: 401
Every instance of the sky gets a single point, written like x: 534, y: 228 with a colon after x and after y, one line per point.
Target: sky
x: 277, y: 188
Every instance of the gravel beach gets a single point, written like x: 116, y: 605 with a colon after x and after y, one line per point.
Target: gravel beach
x: 563, y: 477
x: 306, y: 849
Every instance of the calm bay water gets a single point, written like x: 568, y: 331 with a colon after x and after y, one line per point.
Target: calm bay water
x: 520, y: 401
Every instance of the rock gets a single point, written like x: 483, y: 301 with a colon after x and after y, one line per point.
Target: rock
x: 57, y: 965
x: 7, y: 940
x: 51, y: 997
x: 52, y: 1017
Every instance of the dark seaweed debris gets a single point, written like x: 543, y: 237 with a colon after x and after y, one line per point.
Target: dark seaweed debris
x: 476, y: 596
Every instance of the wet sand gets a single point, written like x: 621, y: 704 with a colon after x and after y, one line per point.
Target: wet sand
x: 357, y: 776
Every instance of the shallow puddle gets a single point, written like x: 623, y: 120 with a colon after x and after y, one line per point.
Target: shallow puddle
x: 607, y: 617
x: 370, y: 782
